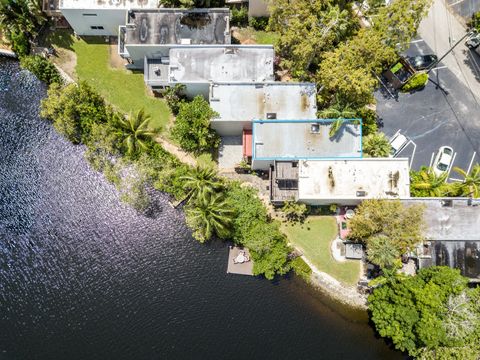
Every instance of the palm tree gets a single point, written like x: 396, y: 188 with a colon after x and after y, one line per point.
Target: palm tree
x: 382, y: 251
x: 471, y: 181
x: 335, y: 127
x: 200, y: 182
x: 210, y: 215
x: 134, y: 131
x: 376, y: 145
x: 426, y: 181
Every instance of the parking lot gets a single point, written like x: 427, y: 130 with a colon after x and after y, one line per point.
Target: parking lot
x: 444, y: 113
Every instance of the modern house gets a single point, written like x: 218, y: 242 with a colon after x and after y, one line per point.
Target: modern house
x: 453, y: 234
x: 197, y: 66
x: 341, y: 182
x: 99, y: 17
x: 238, y: 104
x: 151, y: 33
x: 290, y: 140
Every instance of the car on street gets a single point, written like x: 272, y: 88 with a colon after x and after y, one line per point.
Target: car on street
x: 443, y: 160
x: 422, y: 62
x: 398, y: 142
x: 473, y: 41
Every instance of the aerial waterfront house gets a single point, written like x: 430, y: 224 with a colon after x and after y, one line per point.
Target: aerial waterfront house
x: 151, y: 33
x: 452, y: 234
x: 238, y: 104
x: 99, y: 17
x: 290, y: 140
x: 339, y: 181
x: 197, y: 66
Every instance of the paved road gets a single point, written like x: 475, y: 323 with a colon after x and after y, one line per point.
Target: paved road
x: 464, y: 9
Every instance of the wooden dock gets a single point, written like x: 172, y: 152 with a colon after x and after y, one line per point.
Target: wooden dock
x: 245, y: 268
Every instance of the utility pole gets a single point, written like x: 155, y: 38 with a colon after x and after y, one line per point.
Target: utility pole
x: 470, y: 33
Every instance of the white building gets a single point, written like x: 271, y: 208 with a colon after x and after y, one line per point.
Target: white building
x: 152, y: 33
x: 100, y: 17
x: 288, y: 140
x: 341, y: 182
x: 238, y: 104
x: 197, y: 66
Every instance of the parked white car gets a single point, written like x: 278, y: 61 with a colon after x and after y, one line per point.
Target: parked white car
x: 398, y: 142
x: 443, y: 160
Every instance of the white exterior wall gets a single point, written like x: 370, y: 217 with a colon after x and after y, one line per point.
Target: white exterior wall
x: 230, y: 128
x: 257, y: 8
x: 137, y: 53
x: 261, y: 164
x: 110, y: 19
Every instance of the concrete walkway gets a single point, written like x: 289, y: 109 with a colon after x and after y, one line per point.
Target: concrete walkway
x: 441, y: 29
x: 175, y: 150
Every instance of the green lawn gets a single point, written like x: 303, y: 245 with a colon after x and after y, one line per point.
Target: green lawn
x: 123, y: 89
x: 266, y: 37
x: 313, y: 237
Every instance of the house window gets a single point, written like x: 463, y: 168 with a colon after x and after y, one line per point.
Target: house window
x: 89, y: 14
x: 96, y: 27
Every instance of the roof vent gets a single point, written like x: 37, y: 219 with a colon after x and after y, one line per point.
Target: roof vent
x: 361, y: 193
x: 271, y: 116
x: 185, y: 41
x: 315, y: 128
x: 447, y: 203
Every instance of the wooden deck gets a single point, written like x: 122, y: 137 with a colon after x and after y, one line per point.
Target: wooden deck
x: 284, y: 181
x: 240, y: 269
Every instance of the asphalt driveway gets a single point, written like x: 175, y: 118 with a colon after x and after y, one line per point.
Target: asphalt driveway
x: 445, y: 112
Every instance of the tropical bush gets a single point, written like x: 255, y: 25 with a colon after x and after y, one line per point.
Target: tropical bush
x: 417, y: 81
x: 259, y: 23
x: 376, y: 220
x: 174, y: 96
x: 239, y: 16
x: 294, y: 211
x: 425, y: 183
x: 433, y: 315
x: 43, y: 69
x: 20, y: 43
x: 376, y: 145
x: 192, y: 127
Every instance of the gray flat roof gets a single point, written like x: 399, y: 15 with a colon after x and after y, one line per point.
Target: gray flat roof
x: 178, y: 26
x: 460, y: 221
x: 216, y: 63
x: 108, y: 4
x: 155, y: 73
x: 290, y: 139
x: 288, y: 100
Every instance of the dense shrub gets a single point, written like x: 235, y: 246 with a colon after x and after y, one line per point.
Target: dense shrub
x: 417, y: 81
x: 192, y: 127
x: 43, y: 69
x: 259, y: 23
x: 369, y: 120
x: 20, y: 43
x: 174, y: 96
x: 239, y: 16
x: 74, y: 109
x: 376, y: 145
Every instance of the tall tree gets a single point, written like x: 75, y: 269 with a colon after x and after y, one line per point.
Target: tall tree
x: 471, y: 181
x: 200, y: 182
x: 426, y: 183
x: 211, y: 215
x: 308, y: 29
x: 382, y: 252
x: 134, y: 131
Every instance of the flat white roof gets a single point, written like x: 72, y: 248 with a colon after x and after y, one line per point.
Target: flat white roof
x: 287, y: 100
x: 221, y: 63
x: 366, y: 178
x: 109, y: 4
x: 304, y: 139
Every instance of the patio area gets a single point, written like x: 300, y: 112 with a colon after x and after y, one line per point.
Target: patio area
x: 239, y: 261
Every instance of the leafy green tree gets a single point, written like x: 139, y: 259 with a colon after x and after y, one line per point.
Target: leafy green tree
x: 471, y: 181
x: 376, y: 145
x: 211, y: 215
x: 192, y: 3
x: 200, y: 182
x: 425, y: 183
x: 382, y: 252
x: 74, y: 109
x: 308, y: 29
x: 135, y: 132
x: 43, y: 69
x: 369, y: 120
x: 192, y: 127
x: 433, y: 312
x: 20, y: 21
x: 337, y: 111
x: 174, y: 96
x: 401, y: 224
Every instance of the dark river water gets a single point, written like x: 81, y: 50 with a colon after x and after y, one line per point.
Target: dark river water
x: 83, y: 276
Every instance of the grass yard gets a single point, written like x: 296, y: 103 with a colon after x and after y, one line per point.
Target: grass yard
x: 249, y: 35
x: 314, y: 237
x: 123, y: 89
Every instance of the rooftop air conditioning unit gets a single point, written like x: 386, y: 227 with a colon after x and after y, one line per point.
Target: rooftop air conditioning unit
x: 271, y: 116
x: 361, y: 193
x: 315, y: 128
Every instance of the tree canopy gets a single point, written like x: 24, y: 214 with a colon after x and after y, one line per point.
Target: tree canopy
x: 430, y: 315
x: 401, y: 224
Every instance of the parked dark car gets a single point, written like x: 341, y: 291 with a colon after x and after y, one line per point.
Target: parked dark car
x: 422, y: 62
